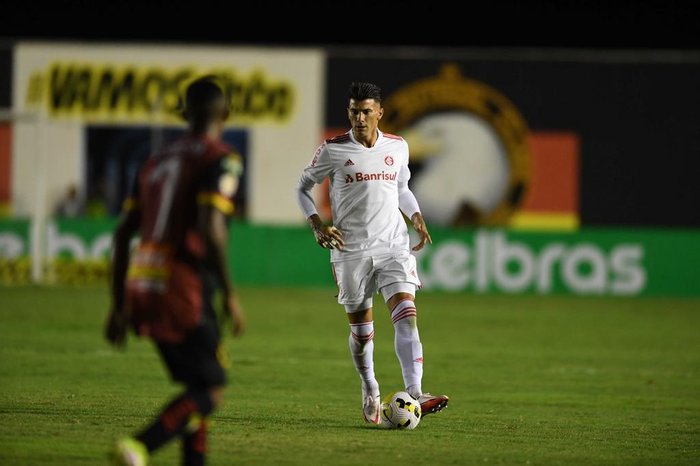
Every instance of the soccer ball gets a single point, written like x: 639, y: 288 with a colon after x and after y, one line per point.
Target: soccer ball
x: 400, y: 411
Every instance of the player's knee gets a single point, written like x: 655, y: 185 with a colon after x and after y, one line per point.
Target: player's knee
x: 403, y: 316
x: 361, y: 334
x: 399, y: 298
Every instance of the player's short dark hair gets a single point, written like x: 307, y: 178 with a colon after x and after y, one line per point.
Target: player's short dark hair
x: 363, y: 91
x: 204, y: 98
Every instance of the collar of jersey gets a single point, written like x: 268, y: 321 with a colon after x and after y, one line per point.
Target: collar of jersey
x: 380, y: 135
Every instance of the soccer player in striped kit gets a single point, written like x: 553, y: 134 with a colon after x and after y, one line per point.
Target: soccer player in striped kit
x: 165, y: 291
x: 369, y: 241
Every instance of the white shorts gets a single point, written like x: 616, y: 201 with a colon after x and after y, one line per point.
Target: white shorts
x: 358, y: 280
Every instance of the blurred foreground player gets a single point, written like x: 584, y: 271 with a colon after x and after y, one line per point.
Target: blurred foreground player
x: 179, y: 207
x: 369, y: 242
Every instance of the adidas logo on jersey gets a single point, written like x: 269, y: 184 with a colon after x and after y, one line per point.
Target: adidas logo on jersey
x: 349, y: 162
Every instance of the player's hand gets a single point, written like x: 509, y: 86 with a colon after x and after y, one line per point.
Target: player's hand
x: 235, y: 311
x: 329, y: 237
x: 422, y: 230
x: 116, y: 327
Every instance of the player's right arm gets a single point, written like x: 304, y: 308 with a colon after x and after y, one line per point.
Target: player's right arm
x: 327, y: 236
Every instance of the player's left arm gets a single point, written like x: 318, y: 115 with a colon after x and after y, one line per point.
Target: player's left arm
x: 410, y: 208
x: 214, y: 206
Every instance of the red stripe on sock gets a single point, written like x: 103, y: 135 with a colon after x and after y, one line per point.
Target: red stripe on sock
x: 362, y: 338
x: 408, y: 312
x: 399, y: 303
x: 174, y: 416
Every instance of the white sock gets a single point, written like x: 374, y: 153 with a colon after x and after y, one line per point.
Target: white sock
x: 408, y: 346
x: 414, y: 391
x: 361, y: 342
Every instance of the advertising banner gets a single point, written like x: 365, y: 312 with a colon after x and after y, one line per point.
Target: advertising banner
x: 610, y: 262
x: 15, y: 264
x: 104, y: 108
x: 14, y: 238
x: 589, y: 262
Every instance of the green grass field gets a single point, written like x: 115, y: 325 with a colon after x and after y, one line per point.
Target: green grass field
x: 532, y: 380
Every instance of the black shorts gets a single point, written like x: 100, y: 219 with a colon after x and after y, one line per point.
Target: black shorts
x: 195, y: 361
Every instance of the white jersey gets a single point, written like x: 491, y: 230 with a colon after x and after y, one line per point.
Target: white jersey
x: 364, y: 186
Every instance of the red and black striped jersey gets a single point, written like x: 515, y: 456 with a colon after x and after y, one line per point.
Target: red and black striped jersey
x: 169, y: 187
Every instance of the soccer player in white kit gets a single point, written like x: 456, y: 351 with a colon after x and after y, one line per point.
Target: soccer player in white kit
x: 369, y: 240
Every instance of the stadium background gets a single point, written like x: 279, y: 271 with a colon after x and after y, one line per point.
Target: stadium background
x: 563, y: 326
x: 586, y: 119
x: 582, y: 161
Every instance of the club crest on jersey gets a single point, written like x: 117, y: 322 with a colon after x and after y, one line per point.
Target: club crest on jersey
x: 389, y: 160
